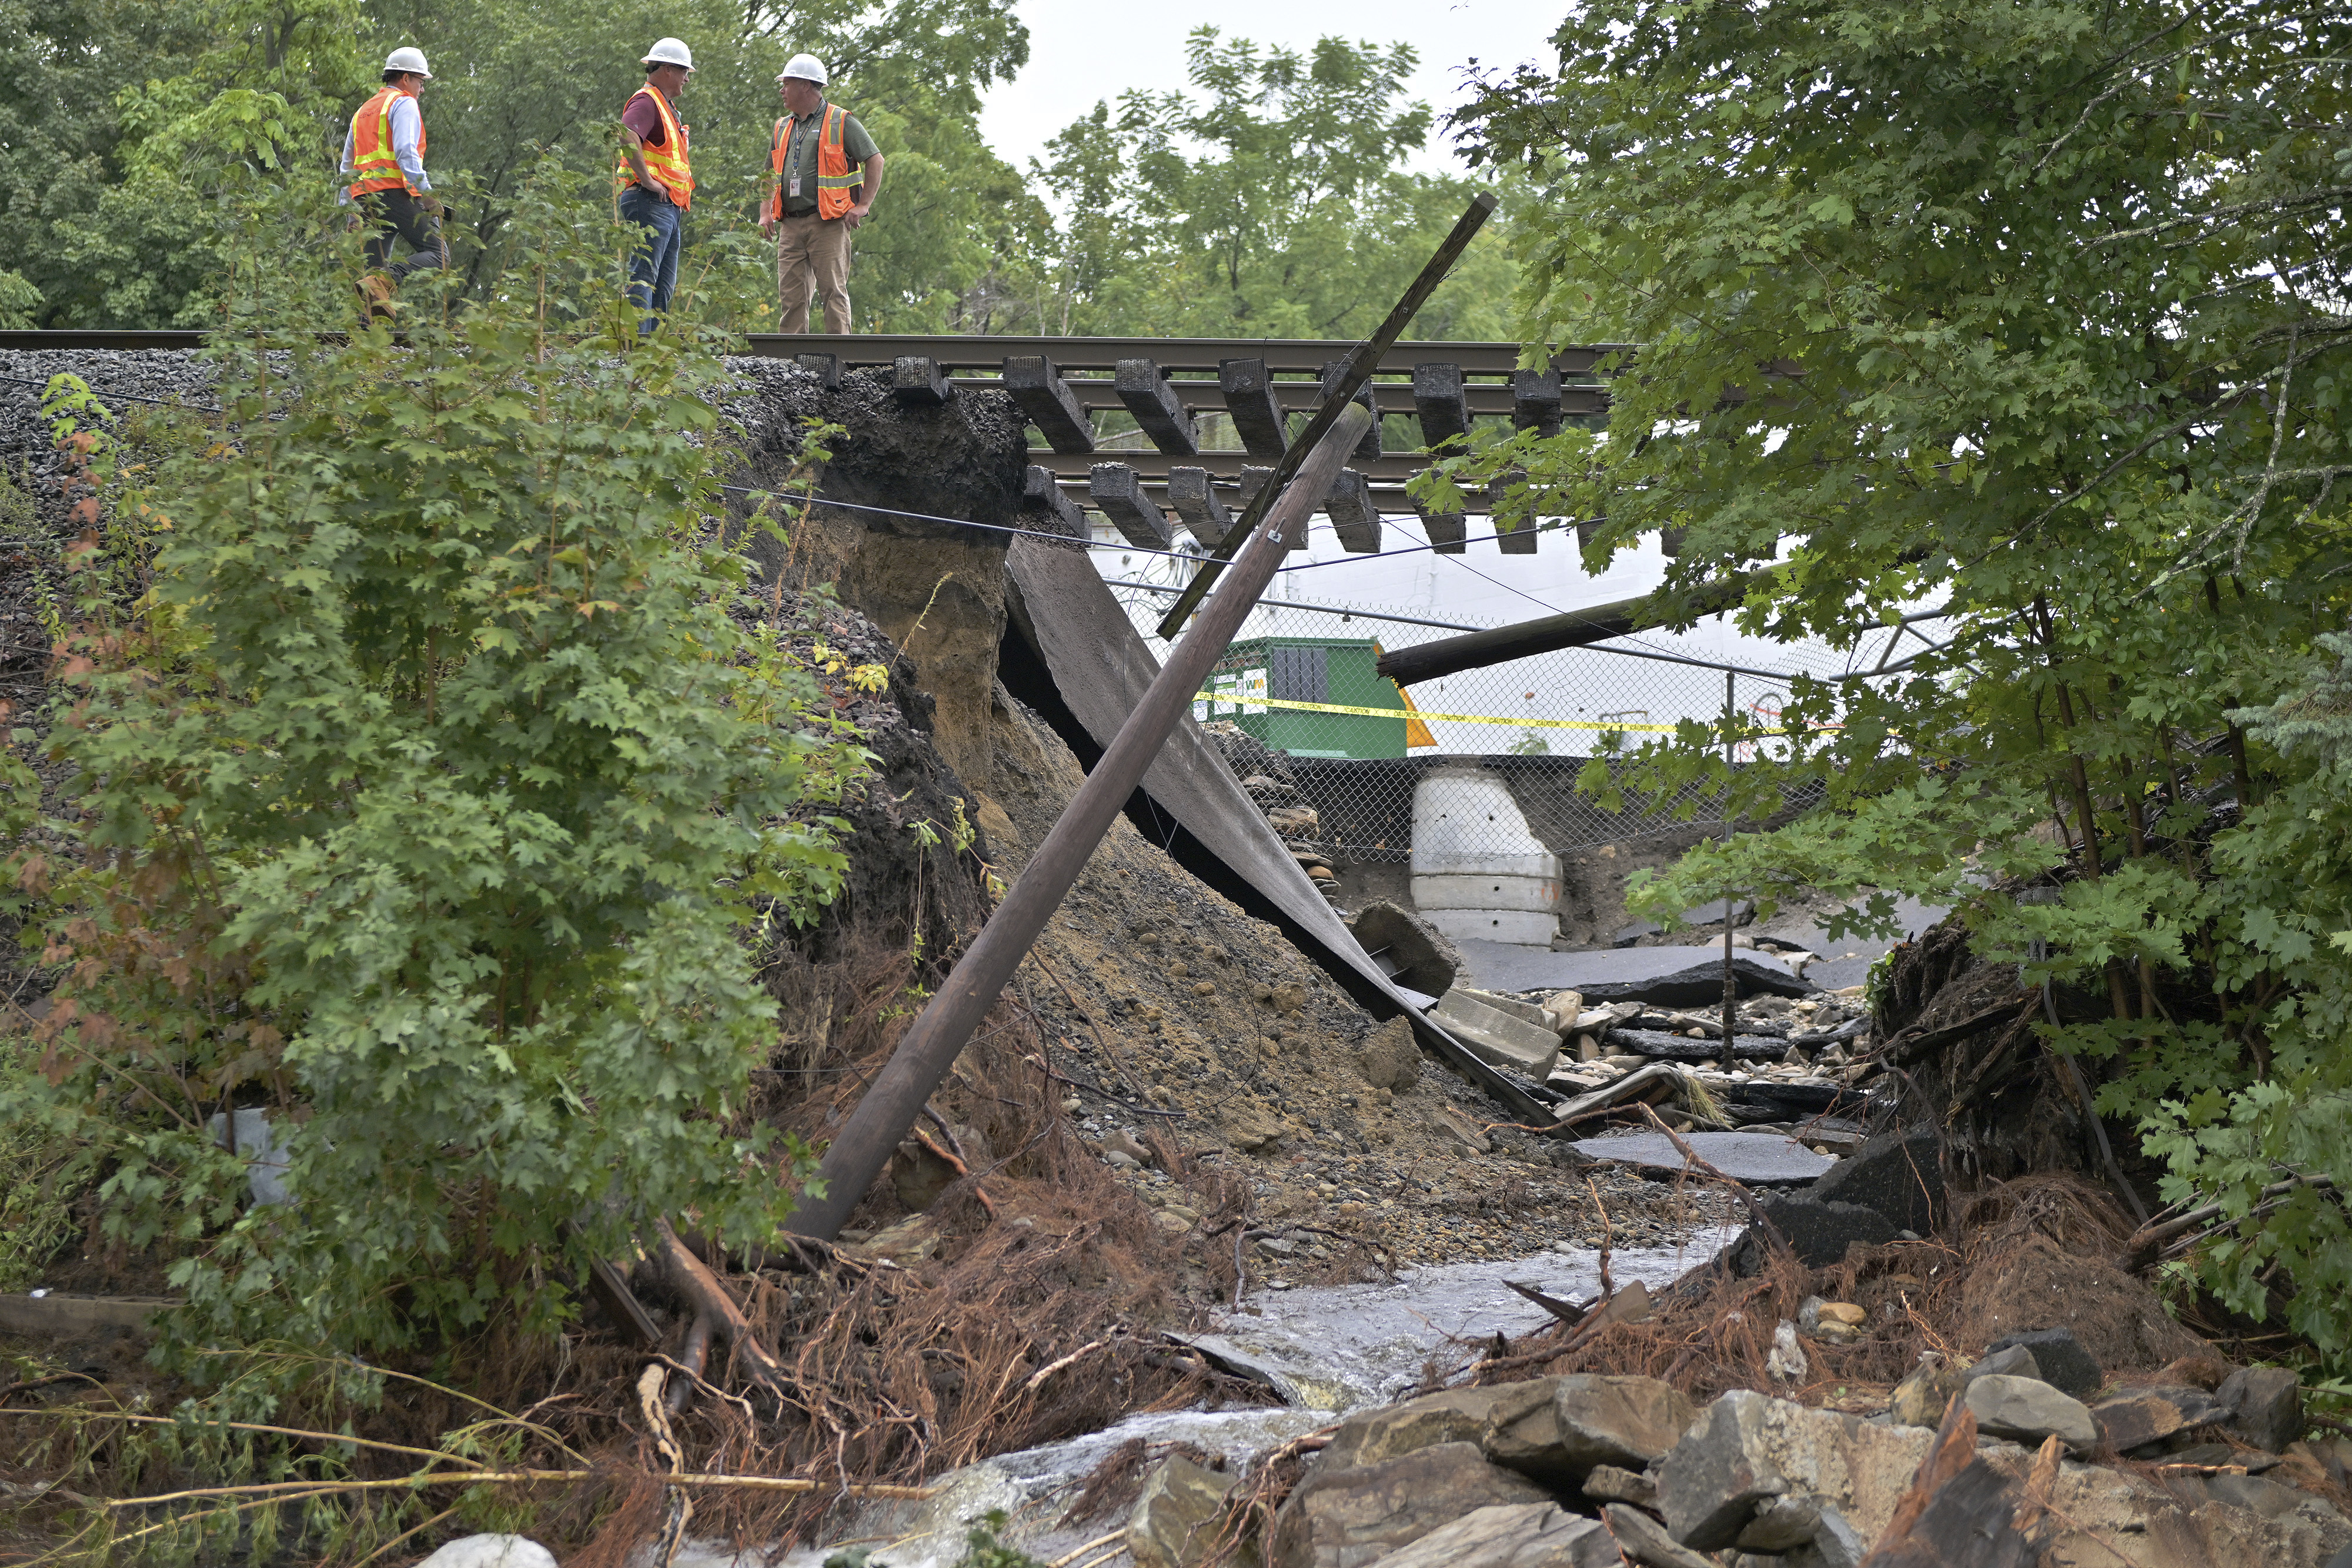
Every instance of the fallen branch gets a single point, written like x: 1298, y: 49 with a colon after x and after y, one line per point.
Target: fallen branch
x: 699, y: 1285
x: 678, y: 1504
x: 954, y: 1160
x: 86, y: 1413
x: 1052, y: 1367
x: 1096, y: 1545
x: 2150, y: 1239
x: 1755, y: 1215
x: 692, y: 1357
x: 56, y: 1377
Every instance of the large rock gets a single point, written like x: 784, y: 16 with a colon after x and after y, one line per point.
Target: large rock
x: 1455, y: 1415
x: 2150, y: 1414
x: 2060, y: 1357
x: 1923, y: 1396
x: 1644, y: 1540
x: 1747, y: 1449
x: 2110, y: 1517
x: 1523, y: 1535
x: 1390, y: 1058
x: 1175, y: 1519
x: 1900, y: 1175
x: 491, y: 1552
x: 2028, y: 1410
x: 2266, y: 1404
x: 2008, y: 1361
x: 1591, y: 1419
x: 1352, y: 1518
x: 1818, y: 1232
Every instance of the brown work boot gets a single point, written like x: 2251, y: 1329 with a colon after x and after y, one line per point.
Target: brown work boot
x: 375, y: 290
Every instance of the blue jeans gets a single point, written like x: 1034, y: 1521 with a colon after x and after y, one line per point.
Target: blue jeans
x: 653, y: 268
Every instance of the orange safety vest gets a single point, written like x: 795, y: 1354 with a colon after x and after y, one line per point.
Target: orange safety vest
x: 835, y: 178
x: 374, y: 167
x: 668, y: 162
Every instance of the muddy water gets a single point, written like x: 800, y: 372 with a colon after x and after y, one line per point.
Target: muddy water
x: 1328, y: 1349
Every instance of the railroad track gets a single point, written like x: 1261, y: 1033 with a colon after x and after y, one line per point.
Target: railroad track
x: 1213, y: 415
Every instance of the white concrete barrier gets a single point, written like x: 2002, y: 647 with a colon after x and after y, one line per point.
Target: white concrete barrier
x: 1477, y: 871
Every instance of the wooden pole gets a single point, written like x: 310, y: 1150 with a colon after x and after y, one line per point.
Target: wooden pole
x: 939, y: 1034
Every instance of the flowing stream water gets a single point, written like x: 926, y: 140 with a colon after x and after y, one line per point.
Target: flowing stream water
x: 1327, y: 1349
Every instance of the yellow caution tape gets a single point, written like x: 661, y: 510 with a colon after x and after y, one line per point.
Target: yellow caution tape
x: 1228, y: 699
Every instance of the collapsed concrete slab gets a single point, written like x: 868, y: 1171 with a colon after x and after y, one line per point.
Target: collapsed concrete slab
x: 1670, y: 976
x: 1498, y: 1036
x: 1759, y: 1159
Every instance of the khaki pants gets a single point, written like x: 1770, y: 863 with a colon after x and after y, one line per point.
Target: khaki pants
x: 813, y: 262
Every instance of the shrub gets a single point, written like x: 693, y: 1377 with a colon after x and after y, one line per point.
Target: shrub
x: 430, y: 786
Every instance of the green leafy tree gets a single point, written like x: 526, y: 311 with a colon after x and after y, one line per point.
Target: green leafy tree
x: 2034, y: 312
x: 1269, y: 200
x: 113, y: 156
x: 434, y: 782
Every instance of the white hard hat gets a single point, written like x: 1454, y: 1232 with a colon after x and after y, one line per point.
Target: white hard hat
x: 669, y: 52
x: 407, y: 60
x: 806, y: 67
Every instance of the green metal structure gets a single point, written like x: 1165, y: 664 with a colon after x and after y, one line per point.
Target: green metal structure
x: 1323, y: 670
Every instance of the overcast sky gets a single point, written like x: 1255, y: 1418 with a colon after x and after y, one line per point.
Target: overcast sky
x: 1083, y: 50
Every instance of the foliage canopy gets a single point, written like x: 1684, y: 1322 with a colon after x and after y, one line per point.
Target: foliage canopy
x: 2037, y: 312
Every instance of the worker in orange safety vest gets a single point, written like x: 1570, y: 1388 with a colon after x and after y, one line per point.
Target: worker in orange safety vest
x: 654, y: 181
x: 383, y: 167
x: 825, y: 172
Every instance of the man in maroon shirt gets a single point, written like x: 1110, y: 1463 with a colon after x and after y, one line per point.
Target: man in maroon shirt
x: 657, y: 185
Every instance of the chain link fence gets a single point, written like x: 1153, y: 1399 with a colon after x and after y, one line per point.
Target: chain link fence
x: 1344, y: 757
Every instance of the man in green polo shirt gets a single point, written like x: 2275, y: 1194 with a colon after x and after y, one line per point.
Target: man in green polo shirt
x: 827, y: 172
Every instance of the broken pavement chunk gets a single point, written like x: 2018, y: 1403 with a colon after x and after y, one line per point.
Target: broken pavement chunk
x: 1411, y: 949
x: 1819, y: 1233
x: 1652, y: 1085
x: 1497, y: 1037
x: 1754, y: 1158
x: 1669, y: 976
x: 1657, y: 1043
x: 1901, y: 1174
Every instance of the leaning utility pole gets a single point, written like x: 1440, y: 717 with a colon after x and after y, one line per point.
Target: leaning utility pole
x: 938, y: 1035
